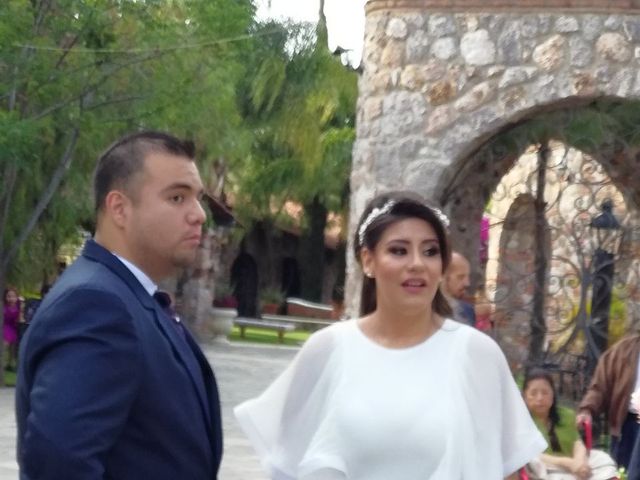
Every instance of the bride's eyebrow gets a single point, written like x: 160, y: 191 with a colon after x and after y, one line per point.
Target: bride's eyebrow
x: 404, y: 241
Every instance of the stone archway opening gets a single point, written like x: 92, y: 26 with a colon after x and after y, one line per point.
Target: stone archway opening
x: 539, y: 259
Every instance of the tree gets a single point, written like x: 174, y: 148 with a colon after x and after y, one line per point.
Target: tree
x: 78, y: 73
x: 300, y: 102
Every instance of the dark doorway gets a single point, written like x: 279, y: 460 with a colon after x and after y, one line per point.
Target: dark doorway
x: 290, y: 277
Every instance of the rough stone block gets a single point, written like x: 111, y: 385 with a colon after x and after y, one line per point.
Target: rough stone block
x: 444, y: 48
x: 613, y: 46
x: 550, y: 54
x: 396, y: 28
x: 477, y: 48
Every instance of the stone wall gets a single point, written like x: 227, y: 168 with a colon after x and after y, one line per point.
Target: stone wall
x: 439, y: 82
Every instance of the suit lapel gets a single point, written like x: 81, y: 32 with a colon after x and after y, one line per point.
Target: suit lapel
x: 184, y: 352
x: 186, y: 356
x: 212, y: 395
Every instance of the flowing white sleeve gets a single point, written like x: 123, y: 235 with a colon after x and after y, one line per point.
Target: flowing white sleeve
x: 501, y: 422
x: 286, y: 420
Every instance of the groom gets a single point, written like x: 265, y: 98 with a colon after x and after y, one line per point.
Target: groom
x: 110, y: 384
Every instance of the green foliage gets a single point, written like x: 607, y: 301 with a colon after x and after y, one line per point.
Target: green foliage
x: 618, y: 323
x: 102, y: 68
x: 300, y: 104
x: 618, y: 320
x: 258, y: 335
x: 272, y: 295
x: 590, y: 128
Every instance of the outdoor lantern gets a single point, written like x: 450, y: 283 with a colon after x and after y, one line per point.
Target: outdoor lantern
x: 606, y: 231
x: 606, y: 236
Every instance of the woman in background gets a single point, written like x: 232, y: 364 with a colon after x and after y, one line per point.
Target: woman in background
x: 11, y: 318
x: 567, y: 453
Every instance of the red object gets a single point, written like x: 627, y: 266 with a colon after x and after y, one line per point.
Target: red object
x: 586, y: 433
x: 226, y: 302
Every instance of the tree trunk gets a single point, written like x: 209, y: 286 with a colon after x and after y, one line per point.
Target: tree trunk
x: 312, y: 251
x: 538, y: 323
x: 2, y: 287
x: 56, y: 178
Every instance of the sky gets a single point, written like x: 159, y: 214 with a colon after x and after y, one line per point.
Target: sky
x: 345, y: 19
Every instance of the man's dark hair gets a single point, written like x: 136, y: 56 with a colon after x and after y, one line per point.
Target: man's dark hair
x: 124, y: 160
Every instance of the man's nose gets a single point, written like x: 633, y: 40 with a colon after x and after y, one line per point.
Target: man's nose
x: 198, y: 213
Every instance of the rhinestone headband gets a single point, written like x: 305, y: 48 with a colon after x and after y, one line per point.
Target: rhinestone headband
x: 444, y: 220
x: 386, y: 208
x: 373, y: 214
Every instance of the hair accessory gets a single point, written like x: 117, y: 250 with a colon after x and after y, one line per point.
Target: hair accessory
x: 386, y: 208
x: 375, y: 213
x: 441, y: 216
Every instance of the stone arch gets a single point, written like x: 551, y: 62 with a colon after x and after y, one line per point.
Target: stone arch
x: 474, y: 178
x: 441, y: 77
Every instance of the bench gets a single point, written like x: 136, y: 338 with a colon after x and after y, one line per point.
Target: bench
x: 306, y: 309
x: 242, y: 323
x: 309, y: 323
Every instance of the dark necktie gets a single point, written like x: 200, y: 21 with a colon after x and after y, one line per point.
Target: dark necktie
x: 164, y: 300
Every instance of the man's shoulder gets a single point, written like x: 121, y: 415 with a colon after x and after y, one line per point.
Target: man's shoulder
x: 81, y: 280
x: 624, y: 346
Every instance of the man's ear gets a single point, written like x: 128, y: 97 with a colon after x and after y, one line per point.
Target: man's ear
x: 116, y: 207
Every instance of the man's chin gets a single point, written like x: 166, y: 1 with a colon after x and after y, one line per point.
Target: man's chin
x: 186, y: 260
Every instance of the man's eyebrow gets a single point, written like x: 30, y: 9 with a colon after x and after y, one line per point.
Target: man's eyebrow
x: 181, y: 186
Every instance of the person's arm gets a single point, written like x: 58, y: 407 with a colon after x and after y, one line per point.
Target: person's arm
x: 596, y: 397
x: 502, y: 420
x: 81, y: 368
x: 513, y: 476
x: 578, y: 463
x: 283, y: 420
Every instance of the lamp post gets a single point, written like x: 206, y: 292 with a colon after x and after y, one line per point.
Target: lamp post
x: 606, y: 234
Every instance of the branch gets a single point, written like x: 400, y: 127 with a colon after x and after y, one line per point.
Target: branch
x: 10, y: 176
x: 91, y: 88
x: 45, y: 199
x: 117, y: 100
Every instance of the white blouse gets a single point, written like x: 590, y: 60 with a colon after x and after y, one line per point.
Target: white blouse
x: 349, y: 408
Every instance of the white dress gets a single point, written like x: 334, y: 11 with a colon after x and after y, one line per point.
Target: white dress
x: 348, y: 408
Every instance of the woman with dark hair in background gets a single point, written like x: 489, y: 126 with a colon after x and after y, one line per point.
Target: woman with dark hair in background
x: 567, y: 456
x: 11, y: 317
x: 403, y: 392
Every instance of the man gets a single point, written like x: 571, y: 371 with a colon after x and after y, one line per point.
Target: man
x: 455, y: 284
x: 110, y: 384
x: 615, y: 378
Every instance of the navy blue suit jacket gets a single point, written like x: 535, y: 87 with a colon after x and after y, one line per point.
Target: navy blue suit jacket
x: 107, y: 388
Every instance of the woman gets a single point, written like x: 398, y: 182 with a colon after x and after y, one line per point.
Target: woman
x: 566, y: 456
x: 403, y: 392
x: 11, y: 318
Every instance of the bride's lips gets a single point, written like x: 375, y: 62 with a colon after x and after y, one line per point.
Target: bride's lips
x: 414, y: 285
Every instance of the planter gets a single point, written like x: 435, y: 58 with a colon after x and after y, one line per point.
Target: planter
x: 270, y: 308
x: 221, y: 323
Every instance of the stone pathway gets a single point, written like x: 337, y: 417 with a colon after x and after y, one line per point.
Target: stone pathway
x: 242, y: 370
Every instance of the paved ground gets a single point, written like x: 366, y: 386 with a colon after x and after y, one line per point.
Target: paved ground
x: 243, y: 371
